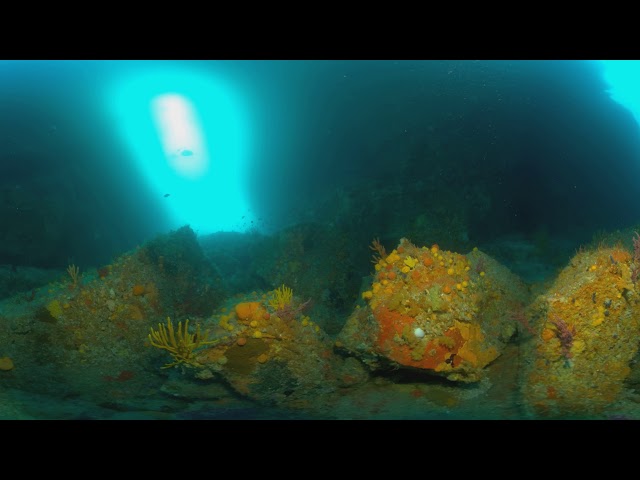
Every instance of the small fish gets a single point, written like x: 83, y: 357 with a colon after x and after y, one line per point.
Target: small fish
x: 166, y: 195
x: 186, y: 153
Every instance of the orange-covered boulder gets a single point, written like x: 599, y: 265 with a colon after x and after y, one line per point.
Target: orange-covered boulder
x: 585, y: 345
x: 436, y: 311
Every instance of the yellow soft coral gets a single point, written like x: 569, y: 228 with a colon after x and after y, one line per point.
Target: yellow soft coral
x: 180, y: 344
x: 282, y: 297
x: 55, y: 309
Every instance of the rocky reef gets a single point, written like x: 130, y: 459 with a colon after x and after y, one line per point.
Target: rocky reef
x: 163, y: 332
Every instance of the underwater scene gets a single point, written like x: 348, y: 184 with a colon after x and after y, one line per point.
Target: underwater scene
x: 319, y: 240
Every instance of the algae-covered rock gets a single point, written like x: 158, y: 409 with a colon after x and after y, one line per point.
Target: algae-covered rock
x: 192, y: 285
x: 317, y: 261
x: 435, y: 310
x: 588, y: 326
x: 87, y: 335
x: 271, y: 352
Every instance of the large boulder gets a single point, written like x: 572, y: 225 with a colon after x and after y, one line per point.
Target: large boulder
x: 433, y: 310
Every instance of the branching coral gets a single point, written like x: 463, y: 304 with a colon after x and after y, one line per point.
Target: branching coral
x: 565, y: 334
x: 283, y: 305
x: 180, y: 344
x: 377, y: 247
x: 74, y: 273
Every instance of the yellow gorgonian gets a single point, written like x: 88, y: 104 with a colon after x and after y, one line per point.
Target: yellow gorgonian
x: 281, y: 298
x: 180, y: 343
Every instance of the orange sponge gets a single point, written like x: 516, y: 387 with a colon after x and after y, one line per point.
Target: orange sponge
x: 247, y: 310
